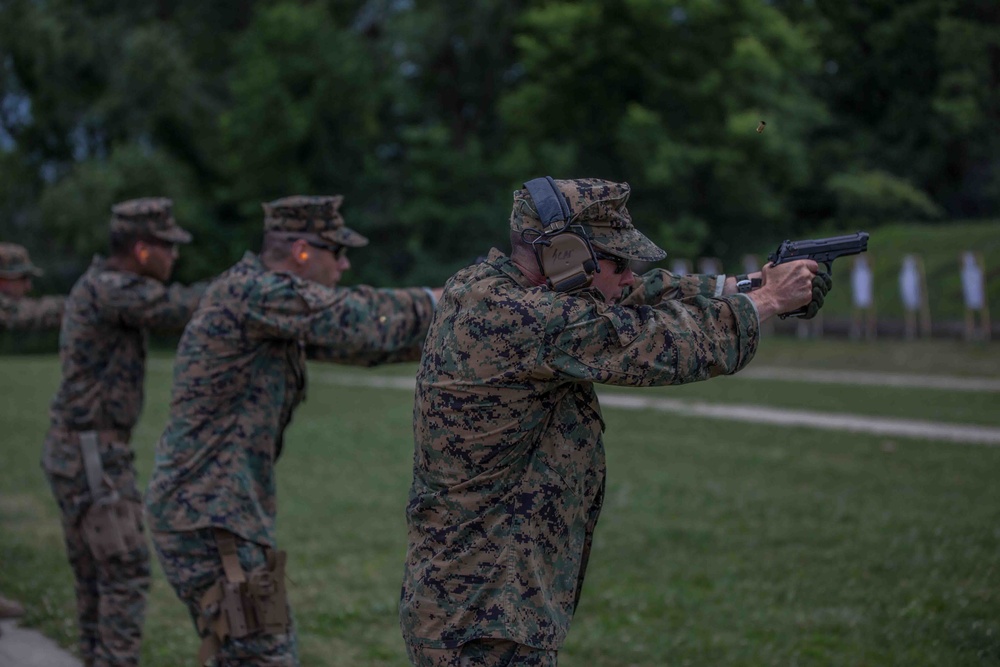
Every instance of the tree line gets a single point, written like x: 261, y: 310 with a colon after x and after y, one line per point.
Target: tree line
x: 427, y: 115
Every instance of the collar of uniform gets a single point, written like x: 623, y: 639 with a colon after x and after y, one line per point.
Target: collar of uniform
x: 252, y: 258
x: 505, y: 265
x: 251, y: 261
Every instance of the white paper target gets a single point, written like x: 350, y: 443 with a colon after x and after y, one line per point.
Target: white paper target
x: 909, y: 283
x: 972, y: 282
x: 861, y: 283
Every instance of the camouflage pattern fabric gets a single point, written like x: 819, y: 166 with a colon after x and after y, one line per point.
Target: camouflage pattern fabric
x: 319, y: 215
x: 240, y: 373
x: 482, y: 653
x: 30, y: 314
x: 102, y: 347
x: 15, y: 262
x: 191, y: 563
x: 111, y: 594
x: 598, y: 208
x: 148, y: 217
x: 25, y: 314
x: 103, y: 340
x: 508, y: 473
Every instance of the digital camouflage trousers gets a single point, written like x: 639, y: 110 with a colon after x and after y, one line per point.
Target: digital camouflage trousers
x: 111, y: 593
x: 482, y: 653
x: 192, y: 564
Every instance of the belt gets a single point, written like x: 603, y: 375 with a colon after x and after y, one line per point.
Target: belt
x: 105, y: 436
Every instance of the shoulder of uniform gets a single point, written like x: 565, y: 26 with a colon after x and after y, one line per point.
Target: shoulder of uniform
x: 118, y: 279
x: 270, y: 283
x: 274, y: 286
x: 568, y: 310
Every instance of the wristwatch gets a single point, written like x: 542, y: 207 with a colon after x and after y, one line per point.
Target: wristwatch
x: 745, y: 283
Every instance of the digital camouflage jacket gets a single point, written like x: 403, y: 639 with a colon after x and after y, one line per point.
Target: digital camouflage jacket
x: 24, y: 314
x: 239, y: 374
x: 102, y: 344
x: 102, y: 348
x: 508, y: 473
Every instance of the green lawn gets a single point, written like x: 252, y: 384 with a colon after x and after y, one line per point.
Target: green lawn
x: 720, y: 543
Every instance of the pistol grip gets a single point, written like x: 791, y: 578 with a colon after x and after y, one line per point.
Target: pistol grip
x: 794, y: 313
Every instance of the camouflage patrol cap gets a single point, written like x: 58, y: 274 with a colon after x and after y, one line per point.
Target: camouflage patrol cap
x: 319, y: 215
x: 148, y: 216
x: 599, y: 207
x: 15, y: 262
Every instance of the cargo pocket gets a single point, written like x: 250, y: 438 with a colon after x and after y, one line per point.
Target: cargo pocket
x: 61, y: 455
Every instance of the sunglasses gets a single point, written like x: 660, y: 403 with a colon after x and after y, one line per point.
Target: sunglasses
x: 621, y: 263
x: 165, y: 245
x: 339, y: 251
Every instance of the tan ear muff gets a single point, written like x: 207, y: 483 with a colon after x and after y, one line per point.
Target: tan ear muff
x: 567, y: 262
x: 303, y: 256
x: 143, y: 255
x: 564, y: 254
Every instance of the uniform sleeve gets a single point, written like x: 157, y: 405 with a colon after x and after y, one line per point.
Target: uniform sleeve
x: 336, y: 355
x: 145, y: 303
x: 24, y: 314
x: 674, y: 342
x: 656, y: 286
x: 358, y: 325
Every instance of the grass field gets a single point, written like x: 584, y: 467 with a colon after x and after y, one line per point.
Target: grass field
x: 720, y: 543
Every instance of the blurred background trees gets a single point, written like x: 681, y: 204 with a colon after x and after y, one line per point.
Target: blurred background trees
x: 426, y: 115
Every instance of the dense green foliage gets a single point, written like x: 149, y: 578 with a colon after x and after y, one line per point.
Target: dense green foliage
x: 720, y: 543
x: 427, y: 114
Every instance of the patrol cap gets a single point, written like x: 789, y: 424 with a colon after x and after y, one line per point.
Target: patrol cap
x: 15, y: 262
x: 148, y: 216
x: 599, y: 207
x: 319, y: 215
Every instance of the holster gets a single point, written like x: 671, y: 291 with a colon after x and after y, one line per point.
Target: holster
x: 239, y: 605
x: 112, y: 525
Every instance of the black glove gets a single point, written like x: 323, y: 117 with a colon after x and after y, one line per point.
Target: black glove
x: 822, y: 282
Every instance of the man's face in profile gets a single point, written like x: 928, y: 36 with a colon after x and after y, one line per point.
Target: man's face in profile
x: 612, y: 284
x: 15, y: 288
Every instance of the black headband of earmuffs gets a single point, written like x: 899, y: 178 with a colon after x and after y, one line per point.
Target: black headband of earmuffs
x: 550, y: 204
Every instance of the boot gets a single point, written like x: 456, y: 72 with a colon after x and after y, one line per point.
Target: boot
x: 10, y: 609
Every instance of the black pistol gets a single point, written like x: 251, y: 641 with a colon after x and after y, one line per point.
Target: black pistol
x: 823, y: 251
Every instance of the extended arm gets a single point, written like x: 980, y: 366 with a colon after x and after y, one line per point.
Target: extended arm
x: 677, y: 341
x: 33, y: 314
x: 344, y: 325
x: 145, y: 303
x: 656, y: 286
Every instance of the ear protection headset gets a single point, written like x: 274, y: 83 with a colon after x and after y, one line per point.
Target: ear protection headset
x: 563, y: 251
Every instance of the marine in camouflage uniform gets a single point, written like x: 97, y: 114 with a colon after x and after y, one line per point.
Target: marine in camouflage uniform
x: 102, y: 347
x: 239, y: 375
x: 509, y: 468
x: 17, y: 312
